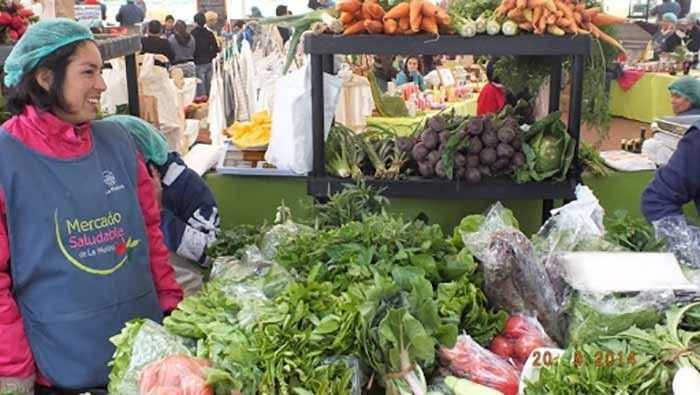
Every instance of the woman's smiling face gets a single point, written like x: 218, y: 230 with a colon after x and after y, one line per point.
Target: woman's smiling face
x: 82, y: 87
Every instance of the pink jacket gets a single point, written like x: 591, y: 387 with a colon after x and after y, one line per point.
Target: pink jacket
x: 51, y: 136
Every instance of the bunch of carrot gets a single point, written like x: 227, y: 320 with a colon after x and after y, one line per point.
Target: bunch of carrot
x: 411, y: 17
x: 559, y: 17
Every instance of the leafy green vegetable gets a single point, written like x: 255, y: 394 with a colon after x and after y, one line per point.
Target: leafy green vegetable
x: 471, y: 9
x: 549, y: 151
x: 591, y: 161
x: 387, y: 106
x: 353, y: 203
x: 576, y: 372
x: 231, y: 241
x: 631, y: 233
x: 589, y: 324
x: 472, y: 223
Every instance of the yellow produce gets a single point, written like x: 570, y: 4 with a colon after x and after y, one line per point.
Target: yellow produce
x: 255, y: 133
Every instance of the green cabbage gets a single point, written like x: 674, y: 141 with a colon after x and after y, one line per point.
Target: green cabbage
x: 549, y: 150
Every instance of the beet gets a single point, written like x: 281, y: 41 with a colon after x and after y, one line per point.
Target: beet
x: 426, y: 169
x: 501, y: 164
x: 488, y: 156
x: 506, y: 134
x: 518, y: 159
x: 475, y: 126
x: 433, y: 157
x: 505, y: 150
x: 475, y: 146
x: 473, y: 161
x: 437, y: 123
x: 460, y: 160
x: 473, y: 176
x: 489, y: 138
x: 517, y: 143
x: 488, y: 124
x: 485, y: 171
x: 405, y: 144
x: 461, y: 173
x: 511, y: 122
x: 444, y: 136
x: 419, y: 152
x: 439, y: 169
x: 430, y: 138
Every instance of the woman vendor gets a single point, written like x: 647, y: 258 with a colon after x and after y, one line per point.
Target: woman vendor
x: 678, y: 182
x: 665, y: 37
x: 81, y: 251
x: 411, y: 73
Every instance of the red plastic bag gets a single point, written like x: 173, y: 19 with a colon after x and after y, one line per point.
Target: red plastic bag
x: 176, y: 375
x: 467, y: 359
x: 520, y: 337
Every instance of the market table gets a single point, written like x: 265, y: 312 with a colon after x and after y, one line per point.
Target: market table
x: 405, y: 125
x: 252, y: 200
x: 647, y: 99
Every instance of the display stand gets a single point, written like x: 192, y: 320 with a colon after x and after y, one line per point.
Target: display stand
x: 112, y: 46
x: 322, y: 47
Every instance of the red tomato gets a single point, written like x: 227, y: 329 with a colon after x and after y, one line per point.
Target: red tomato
x: 502, y: 347
x: 525, y: 346
x: 516, y: 327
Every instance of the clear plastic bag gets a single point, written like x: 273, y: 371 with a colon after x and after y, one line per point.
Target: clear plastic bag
x: 592, y: 316
x: 279, y: 232
x: 522, y: 335
x: 359, y: 378
x: 514, y: 277
x: 682, y: 239
x: 176, y: 375
x: 468, y: 359
x: 150, y: 343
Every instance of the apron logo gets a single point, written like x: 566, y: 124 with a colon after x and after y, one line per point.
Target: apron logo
x: 121, y: 249
x: 111, y: 183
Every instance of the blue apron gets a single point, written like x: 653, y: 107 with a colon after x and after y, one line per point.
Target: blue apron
x: 79, y: 255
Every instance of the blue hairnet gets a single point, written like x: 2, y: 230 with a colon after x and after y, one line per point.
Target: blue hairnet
x: 688, y: 87
x: 39, y: 41
x: 669, y: 16
x: 149, y: 141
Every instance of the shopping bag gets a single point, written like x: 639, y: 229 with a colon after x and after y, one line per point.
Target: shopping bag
x: 291, y: 145
x: 115, y: 80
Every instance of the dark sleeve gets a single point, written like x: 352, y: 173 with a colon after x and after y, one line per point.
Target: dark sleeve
x: 214, y: 44
x: 650, y: 28
x: 169, y: 51
x: 119, y: 15
x: 676, y: 183
x: 654, y: 11
x: 190, y: 217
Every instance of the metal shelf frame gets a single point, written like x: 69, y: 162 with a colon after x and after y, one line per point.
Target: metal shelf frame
x: 321, y: 49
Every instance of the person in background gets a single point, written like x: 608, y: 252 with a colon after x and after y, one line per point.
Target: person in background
x: 678, y: 182
x: 685, y: 8
x: 168, y: 27
x: 285, y: 32
x: 318, y: 4
x: 665, y: 7
x: 212, y: 19
x: 129, y: 14
x: 189, y: 214
x: 492, y: 97
x: 65, y: 289
x: 411, y: 73
x: 142, y: 5
x: 384, y: 70
x: 183, y: 45
x: 245, y: 32
x: 255, y: 12
x: 205, y: 50
x: 665, y: 37
x: 692, y: 33
x: 154, y: 43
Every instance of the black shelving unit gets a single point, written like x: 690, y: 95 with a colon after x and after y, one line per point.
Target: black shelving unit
x: 321, y: 48
x: 111, y: 46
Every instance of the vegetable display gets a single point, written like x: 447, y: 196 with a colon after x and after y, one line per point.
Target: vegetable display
x: 403, y: 18
x: 549, y: 150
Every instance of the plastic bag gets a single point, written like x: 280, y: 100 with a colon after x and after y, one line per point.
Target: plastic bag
x: 277, y: 234
x: 514, y: 277
x: 115, y: 80
x: 291, y: 146
x: 359, y: 378
x: 155, y: 81
x: 176, y: 375
x: 468, y: 359
x: 140, y: 343
x: 682, y: 239
x: 521, y: 336
x: 251, y: 276
x: 592, y: 316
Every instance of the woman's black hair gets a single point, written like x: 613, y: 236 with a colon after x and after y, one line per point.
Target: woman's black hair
x: 405, y: 67
x: 29, y: 92
x: 490, y: 71
x: 200, y: 19
x: 181, y: 36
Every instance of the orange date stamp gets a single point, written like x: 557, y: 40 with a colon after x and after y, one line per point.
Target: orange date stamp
x: 605, y: 358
